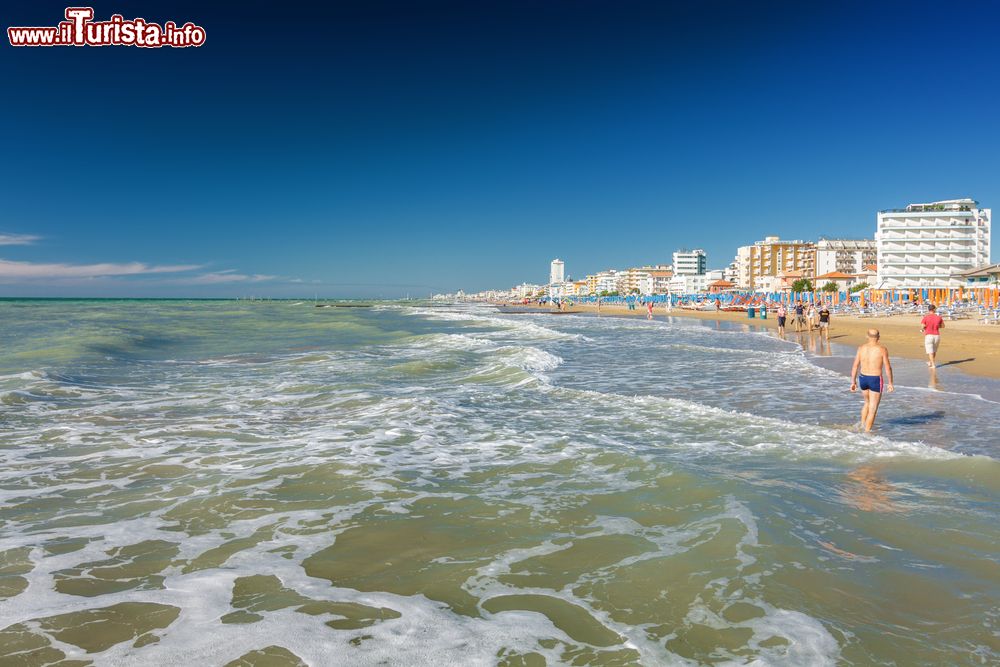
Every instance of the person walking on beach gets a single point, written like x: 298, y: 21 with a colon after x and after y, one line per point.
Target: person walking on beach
x: 931, y: 327
x: 811, y: 317
x: 800, y: 317
x: 649, y: 309
x: 782, y: 314
x: 871, y: 359
x: 824, y: 322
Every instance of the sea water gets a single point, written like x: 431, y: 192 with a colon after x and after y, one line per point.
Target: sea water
x: 253, y: 483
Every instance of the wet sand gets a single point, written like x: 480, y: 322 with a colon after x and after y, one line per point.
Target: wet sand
x: 966, y: 345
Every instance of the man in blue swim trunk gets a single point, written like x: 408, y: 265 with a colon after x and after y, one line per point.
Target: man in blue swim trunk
x: 871, y: 358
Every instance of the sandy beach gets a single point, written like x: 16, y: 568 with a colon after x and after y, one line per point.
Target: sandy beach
x: 968, y: 345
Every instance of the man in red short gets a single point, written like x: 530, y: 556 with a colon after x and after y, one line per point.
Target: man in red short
x: 931, y: 325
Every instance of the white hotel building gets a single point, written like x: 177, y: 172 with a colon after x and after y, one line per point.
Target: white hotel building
x: 557, y: 273
x: 690, y: 262
x: 930, y: 245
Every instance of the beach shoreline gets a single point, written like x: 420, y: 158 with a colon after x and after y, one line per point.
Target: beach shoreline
x: 966, y: 345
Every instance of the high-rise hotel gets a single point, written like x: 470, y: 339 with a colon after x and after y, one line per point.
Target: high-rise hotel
x: 930, y: 245
x: 557, y: 272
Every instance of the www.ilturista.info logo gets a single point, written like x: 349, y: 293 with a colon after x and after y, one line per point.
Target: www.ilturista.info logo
x: 79, y: 29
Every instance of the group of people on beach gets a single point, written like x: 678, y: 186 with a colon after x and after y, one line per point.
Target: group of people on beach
x: 809, y: 318
x: 871, y: 362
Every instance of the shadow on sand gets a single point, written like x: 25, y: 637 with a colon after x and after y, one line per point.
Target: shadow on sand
x: 953, y: 363
x: 917, y: 420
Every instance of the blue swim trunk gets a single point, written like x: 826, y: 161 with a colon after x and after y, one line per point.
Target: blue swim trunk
x: 870, y: 383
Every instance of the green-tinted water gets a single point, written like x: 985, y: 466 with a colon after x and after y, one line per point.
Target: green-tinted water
x: 272, y: 483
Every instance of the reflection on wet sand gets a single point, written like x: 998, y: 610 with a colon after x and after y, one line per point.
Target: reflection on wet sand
x: 932, y: 380
x: 868, y: 491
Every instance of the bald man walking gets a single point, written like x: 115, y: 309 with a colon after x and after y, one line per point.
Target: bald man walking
x: 871, y: 359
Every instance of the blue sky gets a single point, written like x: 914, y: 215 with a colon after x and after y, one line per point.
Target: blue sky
x: 380, y: 149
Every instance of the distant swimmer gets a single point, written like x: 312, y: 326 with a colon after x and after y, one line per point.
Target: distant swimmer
x: 871, y: 358
x: 931, y: 326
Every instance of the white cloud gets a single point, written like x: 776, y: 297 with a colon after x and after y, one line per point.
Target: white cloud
x: 40, y: 271
x: 17, y: 239
x: 227, y: 276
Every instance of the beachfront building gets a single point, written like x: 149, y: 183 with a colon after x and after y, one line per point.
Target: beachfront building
x: 868, y: 275
x: 931, y: 245
x: 606, y: 281
x: 987, y: 276
x: 563, y: 289
x: 843, y: 281
x: 849, y: 256
x: 720, y: 286
x: 557, y: 272
x: 731, y: 273
x: 528, y: 291
x: 629, y: 280
x: 688, y: 284
x: 759, y: 264
x: 780, y: 283
x: 643, y: 279
x: 690, y: 262
x: 661, y: 280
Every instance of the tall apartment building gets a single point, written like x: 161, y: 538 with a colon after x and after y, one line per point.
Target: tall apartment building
x: 606, y: 281
x: 930, y: 245
x: 629, y: 279
x: 690, y: 262
x: 849, y: 256
x: 556, y: 271
x: 641, y: 278
x: 758, y: 264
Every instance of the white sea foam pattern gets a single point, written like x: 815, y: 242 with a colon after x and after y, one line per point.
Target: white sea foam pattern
x: 447, y: 485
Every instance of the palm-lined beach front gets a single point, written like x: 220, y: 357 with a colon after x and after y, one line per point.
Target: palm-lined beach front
x: 209, y: 481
